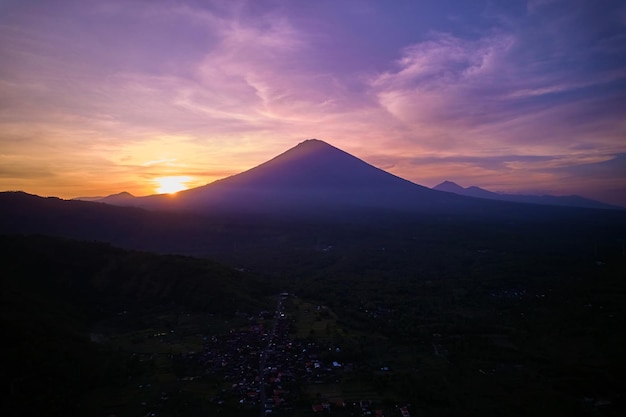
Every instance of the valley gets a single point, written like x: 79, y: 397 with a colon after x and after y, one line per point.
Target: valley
x: 508, y: 329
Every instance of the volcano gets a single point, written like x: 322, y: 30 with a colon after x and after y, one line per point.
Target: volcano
x: 310, y: 177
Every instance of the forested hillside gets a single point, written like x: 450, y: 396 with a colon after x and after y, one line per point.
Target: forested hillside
x: 56, y: 290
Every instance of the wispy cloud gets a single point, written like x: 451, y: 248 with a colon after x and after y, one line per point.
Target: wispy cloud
x: 445, y: 79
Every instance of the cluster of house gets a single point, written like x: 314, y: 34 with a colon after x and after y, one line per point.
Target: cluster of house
x: 262, y: 365
x: 265, y: 368
x: 365, y: 407
x: 235, y: 356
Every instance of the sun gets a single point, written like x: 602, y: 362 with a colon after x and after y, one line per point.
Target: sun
x: 171, y: 185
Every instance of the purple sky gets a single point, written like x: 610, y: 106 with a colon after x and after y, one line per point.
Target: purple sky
x: 97, y: 97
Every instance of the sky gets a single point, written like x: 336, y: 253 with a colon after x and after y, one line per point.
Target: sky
x: 521, y: 96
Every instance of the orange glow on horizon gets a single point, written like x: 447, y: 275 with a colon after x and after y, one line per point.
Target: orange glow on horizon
x: 171, y: 185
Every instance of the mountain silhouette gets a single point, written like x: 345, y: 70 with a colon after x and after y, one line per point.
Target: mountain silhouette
x: 315, y: 164
x: 550, y: 200
x: 120, y: 199
x: 316, y: 178
x: 309, y: 177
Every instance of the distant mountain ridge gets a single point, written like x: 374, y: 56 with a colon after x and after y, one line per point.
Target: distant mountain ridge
x: 116, y: 199
x: 315, y: 177
x: 569, y: 201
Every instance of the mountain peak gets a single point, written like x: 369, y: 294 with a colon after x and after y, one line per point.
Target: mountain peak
x: 311, y: 163
x: 308, y: 148
x: 311, y: 174
x: 450, y: 187
x: 119, y: 198
x: 311, y: 143
x: 122, y: 194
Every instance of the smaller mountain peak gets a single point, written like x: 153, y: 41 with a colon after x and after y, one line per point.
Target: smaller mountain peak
x: 448, y: 186
x: 122, y: 194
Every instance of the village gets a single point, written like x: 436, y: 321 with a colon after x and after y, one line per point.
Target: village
x: 266, y: 369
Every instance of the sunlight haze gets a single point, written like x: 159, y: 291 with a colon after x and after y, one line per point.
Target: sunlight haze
x: 171, y: 185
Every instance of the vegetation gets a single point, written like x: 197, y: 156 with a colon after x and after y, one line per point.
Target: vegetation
x: 61, y: 296
x: 456, y: 317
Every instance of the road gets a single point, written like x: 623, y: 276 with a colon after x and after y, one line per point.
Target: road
x: 265, y: 354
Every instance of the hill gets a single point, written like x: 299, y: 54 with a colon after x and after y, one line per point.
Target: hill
x: 450, y: 317
x: 294, y: 244
x: 551, y: 200
x: 56, y: 291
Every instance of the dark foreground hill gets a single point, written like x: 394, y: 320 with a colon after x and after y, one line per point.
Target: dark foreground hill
x: 454, y: 321
x: 55, y: 291
x: 276, y: 243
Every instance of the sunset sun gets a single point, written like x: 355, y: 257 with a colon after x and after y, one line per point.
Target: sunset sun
x: 171, y: 185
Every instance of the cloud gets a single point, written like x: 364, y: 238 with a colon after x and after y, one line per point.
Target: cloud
x: 445, y: 79
x: 598, y: 168
x: 467, y: 166
x: 522, y: 86
x: 222, y: 86
x: 534, y: 6
x: 261, y: 70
